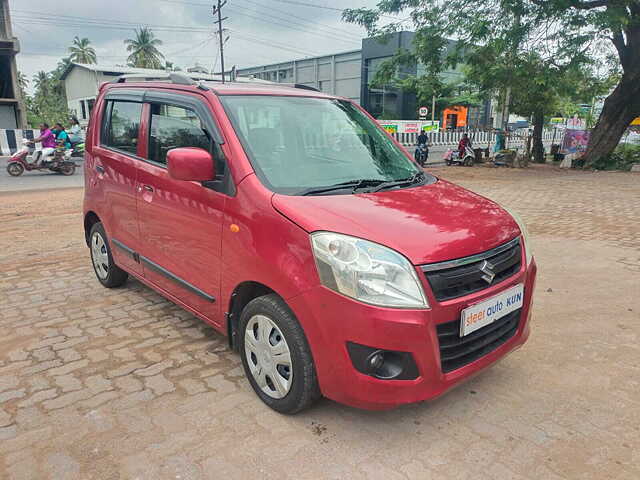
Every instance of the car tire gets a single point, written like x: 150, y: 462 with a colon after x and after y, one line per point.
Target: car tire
x: 107, y: 272
x: 273, y: 344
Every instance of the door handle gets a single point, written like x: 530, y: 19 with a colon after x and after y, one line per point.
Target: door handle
x: 99, y: 169
x: 148, y: 188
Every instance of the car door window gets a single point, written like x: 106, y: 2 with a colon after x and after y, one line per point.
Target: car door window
x: 175, y: 127
x: 121, y: 126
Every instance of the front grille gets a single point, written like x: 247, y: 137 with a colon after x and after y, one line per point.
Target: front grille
x: 461, y: 277
x: 457, y: 351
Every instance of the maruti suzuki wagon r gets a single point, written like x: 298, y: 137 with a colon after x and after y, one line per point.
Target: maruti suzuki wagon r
x: 288, y: 220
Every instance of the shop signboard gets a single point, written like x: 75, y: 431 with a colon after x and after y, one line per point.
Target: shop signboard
x: 390, y: 127
x: 411, y: 128
x: 575, y: 141
x: 431, y: 126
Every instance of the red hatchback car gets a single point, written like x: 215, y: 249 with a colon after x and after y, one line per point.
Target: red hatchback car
x: 290, y: 221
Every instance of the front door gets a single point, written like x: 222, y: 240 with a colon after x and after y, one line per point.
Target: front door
x: 114, y: 161
x: 180, y: 222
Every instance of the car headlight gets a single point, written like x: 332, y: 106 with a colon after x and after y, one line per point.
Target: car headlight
x: 528, y: 247
x: 366, y: 271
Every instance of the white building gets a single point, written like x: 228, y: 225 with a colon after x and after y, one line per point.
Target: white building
x: 82, y: 83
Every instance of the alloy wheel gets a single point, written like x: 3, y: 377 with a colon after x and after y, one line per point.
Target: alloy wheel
x: 99, y: 255
x: 268, y: 356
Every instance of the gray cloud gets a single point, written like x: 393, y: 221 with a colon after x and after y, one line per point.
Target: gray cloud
x: 260, y: 31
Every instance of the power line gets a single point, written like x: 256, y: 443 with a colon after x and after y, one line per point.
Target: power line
x: 292, y: 25
x: 316, y: 24
x: 324, y: 7
x: 282, y: 22
x: 272, y: 43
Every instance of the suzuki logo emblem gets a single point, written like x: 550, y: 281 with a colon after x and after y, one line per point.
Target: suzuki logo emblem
x: 487, y: 269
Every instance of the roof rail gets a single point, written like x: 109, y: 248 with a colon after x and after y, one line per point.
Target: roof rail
x: 180, y: 78
x: 175, y: 77
x: 303, y: 87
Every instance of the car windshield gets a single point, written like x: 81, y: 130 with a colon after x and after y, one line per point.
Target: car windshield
x: 303, y: 145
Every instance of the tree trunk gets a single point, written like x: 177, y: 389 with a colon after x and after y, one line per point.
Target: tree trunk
x: 538, y: 146
x: 620, y: 108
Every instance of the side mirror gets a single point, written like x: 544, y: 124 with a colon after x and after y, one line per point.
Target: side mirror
x: 191, y: 164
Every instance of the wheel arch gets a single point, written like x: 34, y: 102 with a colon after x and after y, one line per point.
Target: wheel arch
x: 90, y: 219
x: 241, y: 296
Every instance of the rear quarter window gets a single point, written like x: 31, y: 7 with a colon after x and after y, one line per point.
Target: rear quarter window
x: 121, y: 125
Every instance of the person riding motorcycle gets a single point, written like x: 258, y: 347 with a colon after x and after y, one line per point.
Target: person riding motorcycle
x: 75, y: 131
x: 423, y: 142
x: 48, y: 140
x: 465, y: 142
x: 62, y: 137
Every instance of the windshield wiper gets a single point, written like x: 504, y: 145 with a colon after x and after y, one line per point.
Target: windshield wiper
x: 416, y: 178
x: 353, y: 184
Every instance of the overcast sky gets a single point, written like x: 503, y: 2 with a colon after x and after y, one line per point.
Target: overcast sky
x: 260, y: 31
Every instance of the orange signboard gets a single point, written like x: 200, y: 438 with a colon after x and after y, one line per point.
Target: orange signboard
x: 454, y: 117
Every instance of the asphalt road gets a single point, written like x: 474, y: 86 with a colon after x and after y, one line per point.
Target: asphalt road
x: 38, y: 179
x: 44, y: 180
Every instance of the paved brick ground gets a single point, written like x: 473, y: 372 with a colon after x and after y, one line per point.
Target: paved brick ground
x: 120, y: 384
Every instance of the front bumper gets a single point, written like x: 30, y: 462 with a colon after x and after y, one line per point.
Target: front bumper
x: 331, y: 320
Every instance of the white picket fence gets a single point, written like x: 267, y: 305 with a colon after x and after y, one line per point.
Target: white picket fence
x: 479, y: 138
x: 11, y: 140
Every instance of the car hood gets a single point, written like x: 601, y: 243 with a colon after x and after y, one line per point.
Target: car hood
x: 427, y: 224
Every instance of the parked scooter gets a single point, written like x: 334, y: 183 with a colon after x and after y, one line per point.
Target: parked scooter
x: 58, y: 162
x: 421, y: 154
x: 452, y: 157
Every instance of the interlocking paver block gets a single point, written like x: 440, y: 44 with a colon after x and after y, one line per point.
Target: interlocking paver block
x: 122, y: 384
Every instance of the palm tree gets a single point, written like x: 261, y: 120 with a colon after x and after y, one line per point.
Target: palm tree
x: 23, y: 81
x: 62, y: 66
x: 41, y: 81
x: 82, y: 51
x: 144, y: 51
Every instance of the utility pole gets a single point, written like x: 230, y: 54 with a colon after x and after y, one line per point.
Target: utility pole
x: 433, y: 110
x: 218, y: 10
x: 514, y: 53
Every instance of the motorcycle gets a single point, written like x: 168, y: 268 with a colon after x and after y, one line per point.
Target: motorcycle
x: 421, y: 154
x: 452, y: 157
x: 77, y: 149
x: 59, y: 162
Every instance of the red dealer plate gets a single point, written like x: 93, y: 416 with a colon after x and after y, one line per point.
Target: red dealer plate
x: 486, y: 312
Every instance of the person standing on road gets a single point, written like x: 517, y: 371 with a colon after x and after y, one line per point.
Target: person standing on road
x: 500, y: 141
x: 48, y: 140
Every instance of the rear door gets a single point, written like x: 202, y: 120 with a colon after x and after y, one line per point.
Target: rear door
x: 181, y: 222
x: 114, y: 172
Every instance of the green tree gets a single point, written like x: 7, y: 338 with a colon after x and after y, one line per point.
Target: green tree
x: 42, y: 82
x: 561, y: 34
x: 48, y: 103
x: 496, y: 42
x: 82, y: 51
x: 144, y: 51
x: 618, y: 23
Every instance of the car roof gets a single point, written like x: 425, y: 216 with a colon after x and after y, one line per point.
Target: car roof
x: 227, y: 88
